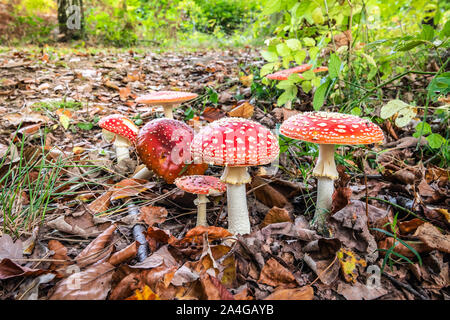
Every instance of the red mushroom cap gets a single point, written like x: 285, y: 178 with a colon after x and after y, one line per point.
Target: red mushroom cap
x: 164, y: 97
x: 199, y: 184
x: 284, y: 74
x: 235, y: 142
x: 163, y: 145
x: 331, y: 128
x: 120, y: 125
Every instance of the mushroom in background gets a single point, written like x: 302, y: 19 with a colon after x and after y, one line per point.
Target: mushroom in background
x: 122, y: 131
x: 163, y: 145
x: 167, y: 99
x: 202, y: 186
x: 235, y: 143
x: 284, y: 74
x: 327, y: 129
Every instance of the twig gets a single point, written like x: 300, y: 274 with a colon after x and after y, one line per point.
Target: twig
x: 406, y: 287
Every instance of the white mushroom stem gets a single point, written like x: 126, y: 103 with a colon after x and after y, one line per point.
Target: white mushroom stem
x: 238, y: 219
x: 121, y: 145
x: 201, y: 202
x: 326, y: 172
x: 168, y: 109
x: 144, y: 173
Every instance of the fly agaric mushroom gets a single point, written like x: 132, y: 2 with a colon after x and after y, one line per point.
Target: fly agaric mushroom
x: 327, y: 129
x: 167, y: 99
x: 163, y: 145
x: 202, y: 186
x: 235, y: 143
x: 284, y: 74
x: 122, y: 130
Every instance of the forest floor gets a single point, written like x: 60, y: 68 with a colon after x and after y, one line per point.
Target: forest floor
x: 65, y: 231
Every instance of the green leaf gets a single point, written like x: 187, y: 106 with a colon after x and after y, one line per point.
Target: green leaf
x: 440, y: 85
x: 317, y: 16
x: 435, y: 140
x: 424, y: 127
x: 427, y: 32
x: 319, y: 95
x: 270, y: 56
x: 287, y: 95
x: 300, y: 56
x: 306, y: 86
x: 85, y: 125
x: 308, y: 75
x: 391, y: 108
x: 65, y: 121
x: 283, y: 50
x: 313, y: 52
x: 404, y: 116
x: 272, y: 7
x: 408, y: 45
x: 267, y: 68
x: 309, y: 42
x: 334, y: 66
x: 294, y: 44
x: 285, y: 84
x: 295, y: 78
x: 445, y: 32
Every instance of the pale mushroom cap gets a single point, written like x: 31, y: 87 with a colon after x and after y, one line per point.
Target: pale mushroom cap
x: 199, y: 184
x: 235, y: 142
x: 163, y: 97
x: 331, y: 128
x: 119, y: 125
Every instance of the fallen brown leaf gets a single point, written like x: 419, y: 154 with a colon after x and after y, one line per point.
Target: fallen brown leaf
x: 95, y: 250
x: 276, y: 215
x: 93, y: 283
x: 303, y: 293
x: 153, y: 215
x: 274, y: 274
x: 433, y: 238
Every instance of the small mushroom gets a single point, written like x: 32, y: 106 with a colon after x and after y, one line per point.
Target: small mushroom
x: 235, y: 143
x: 167, y: 99
x: 284, y: 74
x: 202, y: 186
x: 122, y: 131
x: 163, y: 145
x: 327, y: 129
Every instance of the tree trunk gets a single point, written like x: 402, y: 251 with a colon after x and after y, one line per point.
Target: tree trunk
x: 70, y: 19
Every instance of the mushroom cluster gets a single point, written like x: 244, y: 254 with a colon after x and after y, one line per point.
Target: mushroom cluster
x: 169, y: 148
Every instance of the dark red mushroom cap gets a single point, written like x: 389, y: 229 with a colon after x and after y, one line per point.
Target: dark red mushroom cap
x: 331, y: 128
x: 163, y: 145
x: 199, y: 184
x: 165, y: 97
x: 235, y: 142
x: 284, y: 74
x: 119, y: 125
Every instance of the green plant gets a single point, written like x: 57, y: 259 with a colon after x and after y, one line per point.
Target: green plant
x: 388, y: 253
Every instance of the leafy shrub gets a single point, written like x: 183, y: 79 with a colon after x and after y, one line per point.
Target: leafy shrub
x: 227, y: 15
